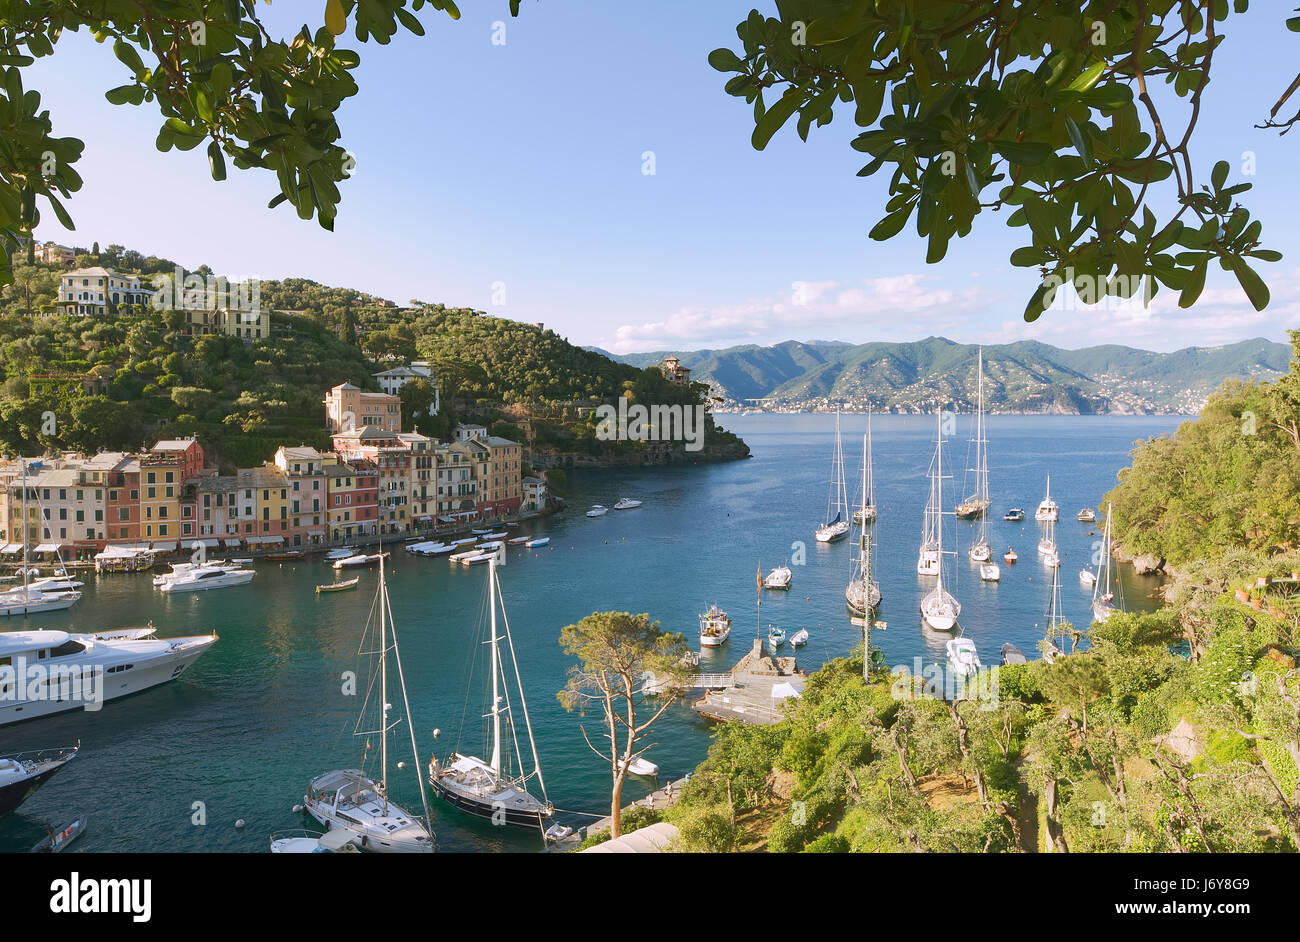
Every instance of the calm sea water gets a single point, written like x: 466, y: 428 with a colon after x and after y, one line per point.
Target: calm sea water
x: 263, y: 712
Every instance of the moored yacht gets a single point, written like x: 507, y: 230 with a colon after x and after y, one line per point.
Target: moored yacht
x: 21, y: 773
x: 202, y: 578
x: 62, y: 671
x: 778, y: 578
x: 1047, y: 508
x: 626, y: 503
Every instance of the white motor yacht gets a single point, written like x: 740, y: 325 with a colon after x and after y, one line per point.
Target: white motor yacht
x: 626, y: 503
x: 202, y: 578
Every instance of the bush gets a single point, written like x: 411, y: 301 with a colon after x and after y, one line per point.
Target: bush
x: 708, y: 829
x: 828, y: 844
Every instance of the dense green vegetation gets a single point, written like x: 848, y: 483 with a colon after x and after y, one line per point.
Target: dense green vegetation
x: 245, y: 399
x: 1229, y: 479
x: 1073, y: 756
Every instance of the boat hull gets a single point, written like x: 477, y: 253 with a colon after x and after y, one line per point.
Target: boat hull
x: 15, y: 793
x: 485, y: 810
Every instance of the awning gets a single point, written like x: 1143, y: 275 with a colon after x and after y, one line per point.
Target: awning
x: 254, y: 540
x: 232, y: 542
x: 47, y: 548
x: 11, y: 548
x: 209, y: 543
x: 165, y: 546
x: 315, y: 532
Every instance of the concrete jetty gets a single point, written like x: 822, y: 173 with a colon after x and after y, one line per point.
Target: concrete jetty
x: 749, y: 699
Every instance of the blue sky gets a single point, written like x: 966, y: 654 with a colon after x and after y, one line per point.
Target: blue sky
x: 519, y: 166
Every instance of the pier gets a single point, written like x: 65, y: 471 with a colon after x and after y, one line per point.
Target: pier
x: 748, y: 698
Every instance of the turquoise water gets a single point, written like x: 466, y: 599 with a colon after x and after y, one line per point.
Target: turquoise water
x: 263, y: 711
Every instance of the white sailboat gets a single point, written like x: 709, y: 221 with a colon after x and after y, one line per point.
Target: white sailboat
x: 862, y: 591
x: 867, y: 511
x: 30, y: 600
x: 349, y: 798
x: 1103, y: 595
x: 939, y: 608
x: 977, y: 502
x: 835, y: 527
x: 1047, y: 508
x: 1052, y: 648
x: 497, y: 788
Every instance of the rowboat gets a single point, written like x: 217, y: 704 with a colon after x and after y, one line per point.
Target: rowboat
x: 457, y: 557
x: 339, y: 586
x: 517, y: 540
x: 540, y: 541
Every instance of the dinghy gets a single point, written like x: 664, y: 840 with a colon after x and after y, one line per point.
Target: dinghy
x: 55, y: 841
x: 338, y: 586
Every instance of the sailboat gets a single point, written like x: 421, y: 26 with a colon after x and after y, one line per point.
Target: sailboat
x: 835, y: 528
x: 1051, y: 648
x: 977, y: 502
x: 1047, y: 545
x: 861, y: 590
x: 938, y: 608
x: 351, y: 800
x: 1103, y: 597
x: 497, y: 789
x: 31, y: 600
x: 1047, y: 508
x: 867, y: 511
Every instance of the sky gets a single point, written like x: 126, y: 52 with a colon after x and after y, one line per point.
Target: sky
x: 511, y: 178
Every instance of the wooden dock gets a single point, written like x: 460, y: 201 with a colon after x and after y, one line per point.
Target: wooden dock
x: 749, y: 698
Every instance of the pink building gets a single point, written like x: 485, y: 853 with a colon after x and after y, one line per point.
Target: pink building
x: 347, y: 408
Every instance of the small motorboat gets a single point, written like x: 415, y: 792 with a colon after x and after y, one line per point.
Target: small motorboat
x: 334, y: 841
x: 493, y: 545
x: 468, y: 539
x: 963, y: 657
x: 778, y: 578
x: 494, y: 536
x: 775, y: 638
x: 517, y: 540
x: 626, y: 503
x: 342, y: 552
x: 338, y: 586
x: 558, y: 832
x: 540, y: 541
x: 55, y: 841
x: 285, y: 555
x: 989, y: 572
x: 715, y: 627
x: 1010, y: 556
x: 799, y: 638
x: 457, y: 557
x: 1015, y: 515
x: 1086, y: 515
x: 640, y: 766
x: 478, y: 559
x: 1087, y: 577
x: 479, y: 532
x: 361, y: 559
x: 597, y: 511
x: 1012, y: 654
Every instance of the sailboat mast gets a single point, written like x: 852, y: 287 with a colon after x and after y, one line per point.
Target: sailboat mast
x: 383, y: 680
x: 523, y: 703
x: 871, y: 476
x: 938, y: 500
x: 25, y: 590
x: 496, y: 688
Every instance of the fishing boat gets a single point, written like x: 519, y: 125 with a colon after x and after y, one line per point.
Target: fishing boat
x: 1014, y: 515
x: 863, y: 592
x: 1010, y: 557
x: 715, y: 627
x: 1086, y: 515
x: 498, y: 785
x: 775, y: 638
x: 360, y: 559
x: 1106, y: 584
x: 597, y: 511
x: 1012, y: 654
x: 977, y: 502
x: 351, y: 800
x: 799, y: 638
x: 91, y: 667
x: 939, y: 608
x: 1047, y: 509
x: 55, y: 841
x: 989, y: 572
x: 202, y: 578
x: 21, y: 773
x: 626, y: 503
x: 835, y: 528
x: 963, y: 657
x: 314, y: 842
x: 339, y: 586
x: 778, y: 578
x: 540, y: 541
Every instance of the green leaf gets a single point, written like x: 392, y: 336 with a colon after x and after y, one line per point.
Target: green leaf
x: 125, y: 95
x: 773, y: 118
x: 1019, y: 152
x: 1293, y: 24
x: 724, y: 60
x: 1087, y: 78
x: 1219, y: 175
x: 1250, y: 282
x: 1039, y: 301
x: 891, y: 225
x: 1080, y: 141
x: 1195, y: 284
x: 216, y: 161
x: 127, y: 55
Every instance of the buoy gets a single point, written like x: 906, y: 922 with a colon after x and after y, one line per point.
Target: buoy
x: 297, y: 809
x: 437, y: 733
x: 239, y: 824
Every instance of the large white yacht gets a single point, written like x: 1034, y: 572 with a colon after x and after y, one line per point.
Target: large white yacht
x: 54, y: 671
x: 201, y: 578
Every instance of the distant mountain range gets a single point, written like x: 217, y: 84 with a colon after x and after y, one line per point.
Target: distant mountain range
x: 935, y: 373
